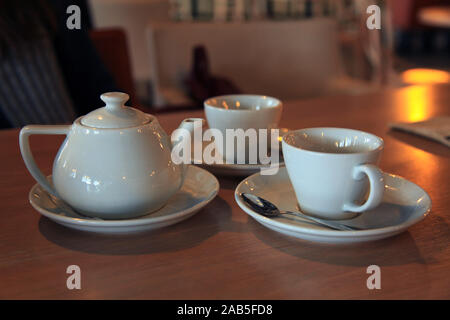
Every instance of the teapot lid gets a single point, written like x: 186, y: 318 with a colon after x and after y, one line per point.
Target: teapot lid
x: 115, y: 114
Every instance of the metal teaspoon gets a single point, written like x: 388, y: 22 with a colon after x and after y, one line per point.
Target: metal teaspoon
x: 268, y: 209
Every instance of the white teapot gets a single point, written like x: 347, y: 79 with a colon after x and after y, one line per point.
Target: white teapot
x: 115, y: 162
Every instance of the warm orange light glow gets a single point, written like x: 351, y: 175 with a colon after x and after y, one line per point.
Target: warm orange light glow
x: 415, y: 103
x: 425, y: 76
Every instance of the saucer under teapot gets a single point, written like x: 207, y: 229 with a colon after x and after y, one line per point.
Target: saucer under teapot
x: 199, y: 188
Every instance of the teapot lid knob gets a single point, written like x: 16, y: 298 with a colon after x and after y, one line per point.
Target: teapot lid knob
x: 115, y: 114
x: 114, y: 100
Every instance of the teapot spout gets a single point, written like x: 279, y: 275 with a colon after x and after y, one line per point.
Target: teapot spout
x: 182, y: 142
x: 186, y: 130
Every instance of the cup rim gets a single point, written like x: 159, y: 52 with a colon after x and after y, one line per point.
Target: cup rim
x: 278, y: 103
x: 377, y: 149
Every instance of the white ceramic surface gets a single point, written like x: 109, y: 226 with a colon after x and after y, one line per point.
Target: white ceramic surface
x: 331, y: 170
x: 199, y: 188
x: 115, y: 114
x: 403, y: 205
x: 111, y: 172
x: 242, y: 111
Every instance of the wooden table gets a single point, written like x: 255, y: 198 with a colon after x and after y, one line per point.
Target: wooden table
x: 221, y: 253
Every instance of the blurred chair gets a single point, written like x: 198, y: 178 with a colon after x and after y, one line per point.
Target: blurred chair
x: 111, y: 45
x: 132, y: 16
x: 289, y: 60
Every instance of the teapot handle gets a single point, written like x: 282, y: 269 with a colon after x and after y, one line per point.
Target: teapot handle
x: 28, y: 156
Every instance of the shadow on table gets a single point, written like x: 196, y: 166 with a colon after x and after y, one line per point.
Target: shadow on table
x: 183, y: 235
x: 229, y: 183
x: 398, y: 250
x: 421, y: 143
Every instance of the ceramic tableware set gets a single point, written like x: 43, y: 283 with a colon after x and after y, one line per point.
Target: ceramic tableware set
x: 114, y: 174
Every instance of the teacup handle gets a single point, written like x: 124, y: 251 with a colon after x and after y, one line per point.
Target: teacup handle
x: 376, y: 182
x: 27, y: 156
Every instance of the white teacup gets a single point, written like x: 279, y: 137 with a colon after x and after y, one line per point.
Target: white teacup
x: 242, y: 111
x: 331, y: 170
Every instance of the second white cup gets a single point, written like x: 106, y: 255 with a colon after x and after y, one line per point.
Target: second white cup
x: 242, y: 111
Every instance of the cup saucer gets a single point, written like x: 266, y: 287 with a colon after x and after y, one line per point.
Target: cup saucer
x: 403, y: 205
x: 234, y: 169
x: 199, y: 188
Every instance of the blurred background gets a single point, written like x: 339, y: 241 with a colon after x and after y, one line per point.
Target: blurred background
x: 170, y: 55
